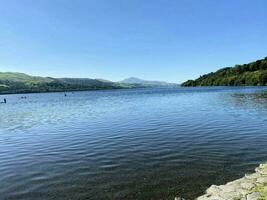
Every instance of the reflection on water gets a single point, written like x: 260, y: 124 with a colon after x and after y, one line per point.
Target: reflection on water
x: 129, y: 144
x: 256, y: 100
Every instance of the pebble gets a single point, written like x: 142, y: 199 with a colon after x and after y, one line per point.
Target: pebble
x: 247, y: 185
x: 253, y: 196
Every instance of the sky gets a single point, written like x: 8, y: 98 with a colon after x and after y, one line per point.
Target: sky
x: 167, y: 40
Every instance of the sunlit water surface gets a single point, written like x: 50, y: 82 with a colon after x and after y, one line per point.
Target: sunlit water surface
x: 144, y: 144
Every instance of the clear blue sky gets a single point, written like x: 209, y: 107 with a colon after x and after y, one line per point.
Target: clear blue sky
x: 171, y: 40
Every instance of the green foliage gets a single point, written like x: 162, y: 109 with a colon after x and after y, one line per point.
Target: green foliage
x: 11, y: 82
x: 252, y: 74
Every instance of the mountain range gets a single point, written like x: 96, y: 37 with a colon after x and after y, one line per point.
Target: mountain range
x: 14, y: 82
x: 251, y: 74
x: 138, y: 81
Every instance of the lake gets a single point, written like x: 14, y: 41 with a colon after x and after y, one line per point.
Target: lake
x: 138, y: 144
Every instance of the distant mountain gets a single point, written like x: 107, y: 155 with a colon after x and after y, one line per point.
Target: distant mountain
x: 146, y: 83
x: 13, y: 82
x: 251, y: 74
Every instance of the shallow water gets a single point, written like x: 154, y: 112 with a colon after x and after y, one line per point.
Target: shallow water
x: 129, y: 144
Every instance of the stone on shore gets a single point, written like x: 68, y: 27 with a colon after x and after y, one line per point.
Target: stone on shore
x: 250, y: 187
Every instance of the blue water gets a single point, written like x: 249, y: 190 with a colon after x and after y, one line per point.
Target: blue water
x: 142, y: 144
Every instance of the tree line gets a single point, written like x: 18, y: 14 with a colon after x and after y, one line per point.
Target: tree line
x: 251, y: 74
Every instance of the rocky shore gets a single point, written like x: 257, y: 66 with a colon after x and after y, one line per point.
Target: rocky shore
x: 250, y: 187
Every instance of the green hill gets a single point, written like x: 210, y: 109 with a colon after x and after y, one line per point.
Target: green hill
x: 251, y: 74
x: 12, y: 82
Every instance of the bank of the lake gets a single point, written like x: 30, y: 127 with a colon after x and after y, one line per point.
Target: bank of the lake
x: 250, y: 187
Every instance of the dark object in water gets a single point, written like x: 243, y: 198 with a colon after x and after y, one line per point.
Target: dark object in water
x: 65, y: 95
x: 4, y: 100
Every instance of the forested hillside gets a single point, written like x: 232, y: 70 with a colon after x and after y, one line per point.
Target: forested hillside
x: 12, y: 82
x: 251, y: 74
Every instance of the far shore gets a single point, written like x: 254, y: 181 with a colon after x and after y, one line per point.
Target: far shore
x: 107, y: 89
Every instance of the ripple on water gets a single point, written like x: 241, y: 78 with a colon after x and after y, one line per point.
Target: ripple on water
x: 130, y: 144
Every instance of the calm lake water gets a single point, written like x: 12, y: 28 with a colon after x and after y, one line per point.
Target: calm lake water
x: 143, y: 144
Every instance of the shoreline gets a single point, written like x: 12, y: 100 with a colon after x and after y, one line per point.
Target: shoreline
x: 126, y: 88
x: 68, y: 91
x: 250, y: 187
